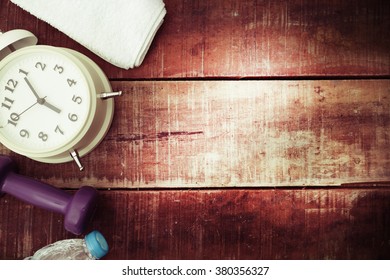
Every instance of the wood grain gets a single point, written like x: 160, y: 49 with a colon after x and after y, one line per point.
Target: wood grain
x: 220, y: 224
x: 244, y: 133
x: 181, y: 125
x: 228, y: 38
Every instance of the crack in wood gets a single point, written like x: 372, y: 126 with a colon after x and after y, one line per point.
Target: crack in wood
x: 144, y: 137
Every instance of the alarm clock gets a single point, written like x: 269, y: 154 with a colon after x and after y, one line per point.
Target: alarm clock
x: 54, y: 102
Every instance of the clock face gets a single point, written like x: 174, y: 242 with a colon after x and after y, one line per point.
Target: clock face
x: 44, y: 101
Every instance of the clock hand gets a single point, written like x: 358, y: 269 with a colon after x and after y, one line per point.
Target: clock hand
x: 50, y: 106
x: 39, y: 100
x: 27, y: 109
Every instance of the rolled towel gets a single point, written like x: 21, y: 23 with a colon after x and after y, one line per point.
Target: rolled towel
x: 119, y: 31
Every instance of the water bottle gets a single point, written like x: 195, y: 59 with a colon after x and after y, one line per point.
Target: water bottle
x: 94, y: 246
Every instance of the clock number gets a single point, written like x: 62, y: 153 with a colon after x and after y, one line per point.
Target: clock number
x: 43, y: 136
x: 73, y: 117
x: 11, y: 85
x: 71, y: 82
x: 21, y: 71
x: 24, y: 133
x: 77, y: 99
x: 40, y: 65
x: 7, y: 103
x: 58, y: 69
x: 13, y: 119
x: 59, y: 130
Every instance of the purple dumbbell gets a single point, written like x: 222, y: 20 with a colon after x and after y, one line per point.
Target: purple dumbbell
x: 77, y: 209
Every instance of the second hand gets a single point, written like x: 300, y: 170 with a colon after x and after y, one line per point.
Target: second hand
x: 30, y: 107
x: 18, y: 115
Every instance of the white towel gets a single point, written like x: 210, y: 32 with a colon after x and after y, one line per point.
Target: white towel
x: 119, y: 31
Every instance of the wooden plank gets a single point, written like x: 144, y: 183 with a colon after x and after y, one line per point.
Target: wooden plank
x: 228, y: 38
x: 228, y: 134
x: 244, y: 133
x: 221, y: 224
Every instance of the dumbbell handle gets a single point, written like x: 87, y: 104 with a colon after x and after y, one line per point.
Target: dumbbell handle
x: 36, y: 193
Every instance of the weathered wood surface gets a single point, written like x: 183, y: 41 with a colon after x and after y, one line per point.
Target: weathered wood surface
x: 229, y: 38
x: 186, y: 134
x: 237, y: 133
x: 221, y: 224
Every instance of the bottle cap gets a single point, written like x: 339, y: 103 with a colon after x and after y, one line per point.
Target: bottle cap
x: 96, y: 244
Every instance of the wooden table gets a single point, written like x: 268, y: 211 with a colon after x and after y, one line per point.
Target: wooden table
x: 252, y: 130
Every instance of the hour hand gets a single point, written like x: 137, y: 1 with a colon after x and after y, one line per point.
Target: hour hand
x: 51, y: 106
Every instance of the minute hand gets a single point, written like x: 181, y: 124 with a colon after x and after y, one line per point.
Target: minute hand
x: 39, y: 100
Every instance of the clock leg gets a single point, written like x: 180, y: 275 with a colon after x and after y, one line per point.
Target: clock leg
x: 75, y: 155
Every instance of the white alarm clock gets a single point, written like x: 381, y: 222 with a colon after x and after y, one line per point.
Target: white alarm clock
x: 54, y: 104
